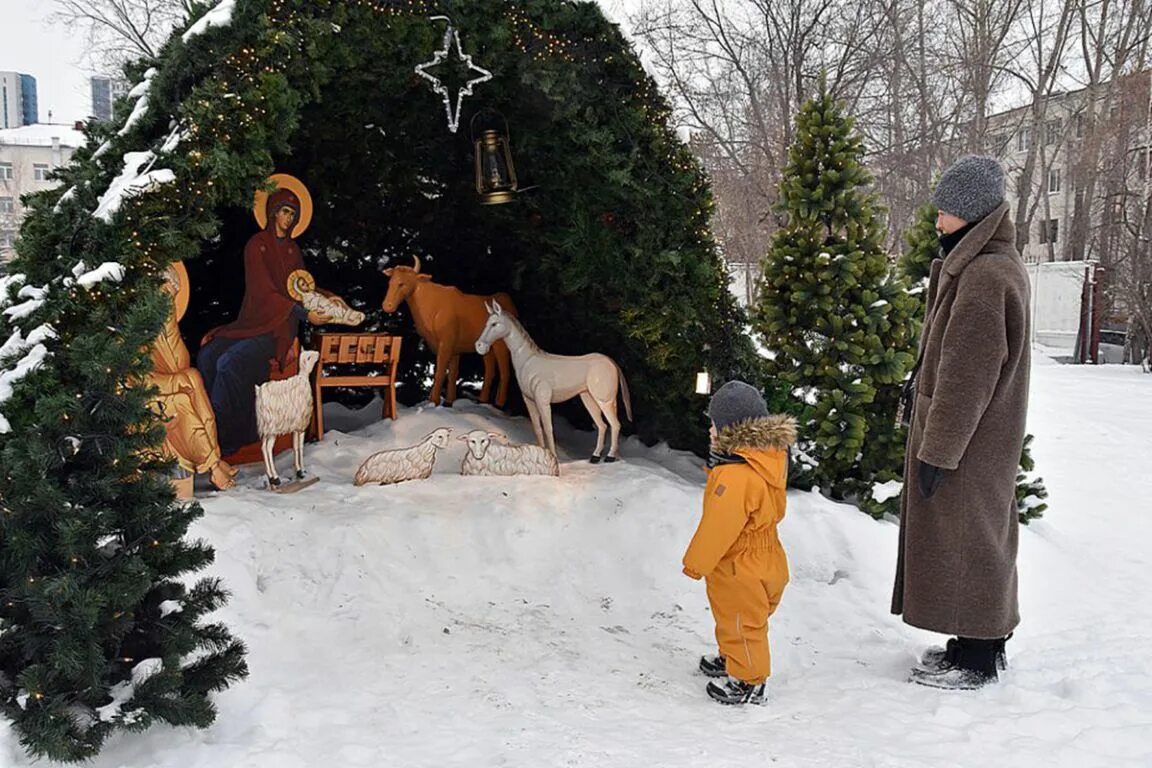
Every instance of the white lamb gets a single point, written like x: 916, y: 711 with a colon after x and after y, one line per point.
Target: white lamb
x: 401, y: 464
x: 485, y: 457
x: 285, y: 407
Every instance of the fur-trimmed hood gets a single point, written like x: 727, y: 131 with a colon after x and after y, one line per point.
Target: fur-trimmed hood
x: 762, y: 444
x: 769, y: 433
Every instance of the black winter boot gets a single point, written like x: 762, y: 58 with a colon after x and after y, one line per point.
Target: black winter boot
x: 968, y: 664
x: 936, y: 658
x: 733, y: 691
x: 713, y: 666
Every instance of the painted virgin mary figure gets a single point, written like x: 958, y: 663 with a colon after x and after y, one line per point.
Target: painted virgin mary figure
x: 237, y: 357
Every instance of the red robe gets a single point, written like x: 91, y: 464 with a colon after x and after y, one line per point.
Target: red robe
x: 267, y: 307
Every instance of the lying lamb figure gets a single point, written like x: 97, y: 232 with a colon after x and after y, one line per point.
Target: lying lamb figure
x: 396, y: 466
x: 302, y: 287
x: 487, y: 458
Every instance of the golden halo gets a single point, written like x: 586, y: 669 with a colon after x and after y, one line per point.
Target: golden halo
x: 183, y: 288
x: 284, y: 181
x: 300, y: 282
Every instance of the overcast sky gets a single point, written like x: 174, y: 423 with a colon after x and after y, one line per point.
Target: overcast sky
x: 48, y: 52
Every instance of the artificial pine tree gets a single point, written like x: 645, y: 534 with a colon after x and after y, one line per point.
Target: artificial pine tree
x: 923, y: 242
x: 99, y: 629
x: 1030, y: 492
x: 839, y: 322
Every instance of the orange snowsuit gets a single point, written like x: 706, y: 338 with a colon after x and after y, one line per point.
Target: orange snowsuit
x: 736, y: 548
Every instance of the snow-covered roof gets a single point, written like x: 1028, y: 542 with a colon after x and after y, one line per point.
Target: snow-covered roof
x: 41, y: 135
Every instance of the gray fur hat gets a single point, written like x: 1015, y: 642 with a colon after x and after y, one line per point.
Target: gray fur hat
x: 736, y: 402
x: 971, y: 188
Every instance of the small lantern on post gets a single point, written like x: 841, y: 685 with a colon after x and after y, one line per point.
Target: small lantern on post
x: 704, y: 378
x: 495, y: 174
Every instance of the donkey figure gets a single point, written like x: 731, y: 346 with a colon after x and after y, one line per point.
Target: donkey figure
x: 449, y: 320
x: 546, y: 379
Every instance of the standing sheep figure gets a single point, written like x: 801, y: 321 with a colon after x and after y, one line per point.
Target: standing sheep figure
x: 495, y: 459
x: 285, y: 407
x: 401, y: 464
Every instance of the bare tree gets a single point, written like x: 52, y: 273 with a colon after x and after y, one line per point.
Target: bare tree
x: 1122, y: 237
x: 123, y: 30
x: 738, y: 71
x: 1045, y: 30
x: 979, y: 57
x: 914, y: 108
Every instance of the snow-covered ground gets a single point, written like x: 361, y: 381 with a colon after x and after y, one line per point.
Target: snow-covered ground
x: 545, y: 622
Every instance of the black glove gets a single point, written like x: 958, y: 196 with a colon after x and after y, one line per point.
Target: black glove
x: 930, y: 478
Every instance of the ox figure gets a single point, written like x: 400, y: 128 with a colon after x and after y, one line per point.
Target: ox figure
x: 450, y: 321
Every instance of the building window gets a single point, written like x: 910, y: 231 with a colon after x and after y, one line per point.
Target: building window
x: 40, y: 172
x: 7, y: 238
x: 1049, y: 231
x: 1024, y: 139
x: 5, y: 171
x: 7, y: 205
x: 1052, y: 133
x: 1053, y: 180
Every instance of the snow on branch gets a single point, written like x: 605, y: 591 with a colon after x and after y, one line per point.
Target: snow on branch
x: 109, y: 270
x: 71, y: 193
x: 169, y: 607
x: 20, y: 311
x: 33, y: 360
x: 122, y: 693
x: 17, y: 343
x: 141, y: 93
x: 7, y: 283
x: 136, y: 178
x: 220, y: 16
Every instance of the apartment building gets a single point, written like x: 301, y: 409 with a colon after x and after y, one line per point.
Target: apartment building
x: 1115, y: 135
x: 18, y: 100
x: 28, y: 155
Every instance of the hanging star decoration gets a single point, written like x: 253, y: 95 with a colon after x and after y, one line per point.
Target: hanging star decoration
x: 438, y: 58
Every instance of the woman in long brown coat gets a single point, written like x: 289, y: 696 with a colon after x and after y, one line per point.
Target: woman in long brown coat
x: 956, y: 571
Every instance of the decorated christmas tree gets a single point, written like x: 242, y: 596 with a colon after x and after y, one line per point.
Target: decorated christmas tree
x: 606, y: 248
x: 837, y: 320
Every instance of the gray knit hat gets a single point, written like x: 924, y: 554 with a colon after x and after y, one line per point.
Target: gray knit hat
x: 735, y: 402
x: 971, y: 189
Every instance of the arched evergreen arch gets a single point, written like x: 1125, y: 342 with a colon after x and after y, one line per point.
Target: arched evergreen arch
x: 611, y: 251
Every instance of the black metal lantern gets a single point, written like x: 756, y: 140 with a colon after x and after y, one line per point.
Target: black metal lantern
x: 495, y: 173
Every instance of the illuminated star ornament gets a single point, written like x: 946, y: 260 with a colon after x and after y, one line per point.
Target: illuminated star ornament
x: 450, y: 35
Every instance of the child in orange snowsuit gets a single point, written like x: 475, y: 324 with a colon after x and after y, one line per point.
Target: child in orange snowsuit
x: 736, y: 549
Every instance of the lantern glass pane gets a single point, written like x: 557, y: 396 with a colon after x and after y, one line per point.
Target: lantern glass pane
x: 495, y: 168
